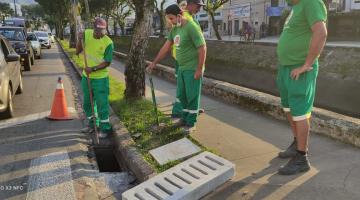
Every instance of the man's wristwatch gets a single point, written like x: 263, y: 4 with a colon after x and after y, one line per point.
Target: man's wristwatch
x: 94, y: 69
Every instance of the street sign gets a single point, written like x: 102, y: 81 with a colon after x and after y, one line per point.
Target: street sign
x: 242, y: 11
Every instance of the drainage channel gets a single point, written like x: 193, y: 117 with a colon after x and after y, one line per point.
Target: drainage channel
x: 106, y: 159
x: 115, y: 178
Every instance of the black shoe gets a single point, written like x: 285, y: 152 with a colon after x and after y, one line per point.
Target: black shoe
x: 290, y: 151
x: 297, y: 164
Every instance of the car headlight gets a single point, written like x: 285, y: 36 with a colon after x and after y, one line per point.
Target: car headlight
x: 21, y: 50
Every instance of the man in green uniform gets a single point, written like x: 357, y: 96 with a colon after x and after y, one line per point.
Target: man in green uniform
x: 99, y: 51
x: 190, y: 55
x: 189, y: 8
x: 300, y: 45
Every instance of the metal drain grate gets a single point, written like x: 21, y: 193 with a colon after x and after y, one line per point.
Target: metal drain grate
x: 189, y: 180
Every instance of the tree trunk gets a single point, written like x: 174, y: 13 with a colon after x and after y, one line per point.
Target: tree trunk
x: 162, y: 24
x: 122, y: 27
x: 72, y: 41
x: 135, y: 65
x: 214, y: 26
x: 115, y: 28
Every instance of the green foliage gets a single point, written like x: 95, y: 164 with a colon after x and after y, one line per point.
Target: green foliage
x: 32, y: 11
x: 5, y: 9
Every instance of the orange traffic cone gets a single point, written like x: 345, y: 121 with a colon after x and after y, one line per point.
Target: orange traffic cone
x: 59, y: 106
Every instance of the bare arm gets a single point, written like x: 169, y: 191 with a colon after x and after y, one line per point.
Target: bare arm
x: 202, y: 56
x: 103, y: 65
x: 316, y: 46
x: 163, y: 52
x: 317, y: 42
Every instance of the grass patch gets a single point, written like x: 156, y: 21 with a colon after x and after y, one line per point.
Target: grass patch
x: 138, y: 117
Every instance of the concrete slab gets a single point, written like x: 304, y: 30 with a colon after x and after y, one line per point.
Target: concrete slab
x: 182, y: 148
x: 189, y: 180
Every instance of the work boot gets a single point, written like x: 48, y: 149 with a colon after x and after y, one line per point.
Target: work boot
x: 188, y: 129
x: 103, y: 135
x: 297, y: 164
x: 290, y: 151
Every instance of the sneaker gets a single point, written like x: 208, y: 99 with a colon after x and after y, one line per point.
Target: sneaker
x: 297, y: 164
x: 87, y: 130
x: 188, y: 129
x: 290, y: 151
x: 201, y: 110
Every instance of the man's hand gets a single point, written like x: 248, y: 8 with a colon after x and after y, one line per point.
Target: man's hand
x: 88, y: 70
x: 150, y: 67
x: 198, y: 74
x: 295, y: 74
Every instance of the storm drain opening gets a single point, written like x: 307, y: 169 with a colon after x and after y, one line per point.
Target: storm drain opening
x: 106, y: 159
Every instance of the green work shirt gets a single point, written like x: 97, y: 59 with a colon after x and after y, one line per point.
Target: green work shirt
x: 187, y: 39
x: 188, y: 17
x: 294, y: 43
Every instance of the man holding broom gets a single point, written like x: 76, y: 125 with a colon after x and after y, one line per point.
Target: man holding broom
x: 99, y: 50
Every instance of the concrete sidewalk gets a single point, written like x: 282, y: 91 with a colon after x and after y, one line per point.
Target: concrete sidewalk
x: 252, y: 142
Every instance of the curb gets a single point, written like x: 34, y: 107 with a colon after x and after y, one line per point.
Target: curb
x: 127, y: 155
x: 324, y: 122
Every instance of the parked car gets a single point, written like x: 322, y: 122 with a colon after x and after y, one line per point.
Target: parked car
x: 43, y: 38
x: 52, y: 37
x: 17, y: 22
x: 35, y: 43
x: 10, y: 78
x: 18, y: 39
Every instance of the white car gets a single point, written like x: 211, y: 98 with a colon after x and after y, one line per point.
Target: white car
x: 35, y: 43
x: 43, y: 38
x: 52, y: 37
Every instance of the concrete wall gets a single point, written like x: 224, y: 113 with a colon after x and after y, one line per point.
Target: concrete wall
x: 254, y: 66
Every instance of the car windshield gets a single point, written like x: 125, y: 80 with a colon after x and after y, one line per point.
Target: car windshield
x: 41, y: 34
x: 32, y: 37
x: 12, y: 34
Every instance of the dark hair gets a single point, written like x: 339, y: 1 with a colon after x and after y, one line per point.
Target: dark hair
x: 173, y: 10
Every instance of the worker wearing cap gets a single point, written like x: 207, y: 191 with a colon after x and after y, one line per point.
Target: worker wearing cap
x: 99, y: 50
x: 190, y: 45
x: 189, y: 8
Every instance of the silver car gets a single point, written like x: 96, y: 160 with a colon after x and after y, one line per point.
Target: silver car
x: 10, y: 78
x: 35, y: 43
x: 43, y: 38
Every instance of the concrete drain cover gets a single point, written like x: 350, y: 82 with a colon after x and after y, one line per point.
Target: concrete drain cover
x: 190, y: 180
x: 182, y: 148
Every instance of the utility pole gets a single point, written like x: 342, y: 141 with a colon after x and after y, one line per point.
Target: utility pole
x: 15, y: 8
